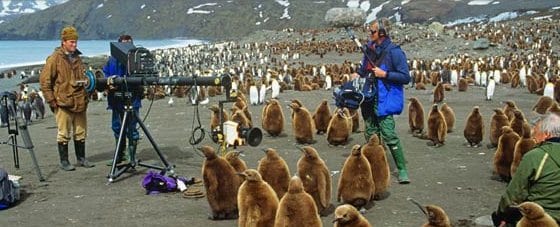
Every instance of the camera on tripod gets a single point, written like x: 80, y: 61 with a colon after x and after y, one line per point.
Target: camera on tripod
x: 139, y: 61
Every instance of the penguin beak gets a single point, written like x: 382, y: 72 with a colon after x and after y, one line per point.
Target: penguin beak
x: 199, y: 148
x: 241, y: 174
x: 336, y: 220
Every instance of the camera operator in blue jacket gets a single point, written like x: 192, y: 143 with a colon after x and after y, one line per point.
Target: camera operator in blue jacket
x: 116, y: 102
x: 383, y: 90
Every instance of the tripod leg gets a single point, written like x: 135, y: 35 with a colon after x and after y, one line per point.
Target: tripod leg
x: 153, y: 142
x: 112, y: 174
x: 15, y: 150
x: 29, y: 146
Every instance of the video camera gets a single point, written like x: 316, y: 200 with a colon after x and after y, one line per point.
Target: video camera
x: 139, y: 61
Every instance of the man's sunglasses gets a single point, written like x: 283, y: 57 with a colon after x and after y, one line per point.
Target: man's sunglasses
x: 372, y: 31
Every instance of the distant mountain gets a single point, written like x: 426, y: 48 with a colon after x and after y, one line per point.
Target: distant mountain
x: 10, y: 10
x: 230, y: 19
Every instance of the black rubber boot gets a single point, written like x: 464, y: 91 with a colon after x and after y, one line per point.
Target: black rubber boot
x: 63, y: 153
x: 132, y: 151
x: 80, y: 147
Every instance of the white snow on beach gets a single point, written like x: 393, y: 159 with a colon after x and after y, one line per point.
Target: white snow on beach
x: 353, y: 3
x: 466, y: 20
x: 555, y: 8
x: 285, y: 15
x: 479, y: 2
x: 195, y: 9
x: 365, y: 6
x: 373, y: 15
x: 542, y: 17
x: 284, y: 3
x: 504, y: 16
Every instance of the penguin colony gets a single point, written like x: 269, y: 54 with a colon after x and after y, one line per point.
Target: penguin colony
x: 313, y: 180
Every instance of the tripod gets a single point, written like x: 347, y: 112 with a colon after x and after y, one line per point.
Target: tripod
x: 129, y: 114
x: 8, y: 103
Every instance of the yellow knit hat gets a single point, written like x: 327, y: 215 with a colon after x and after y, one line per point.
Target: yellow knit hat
x: 69, y: 33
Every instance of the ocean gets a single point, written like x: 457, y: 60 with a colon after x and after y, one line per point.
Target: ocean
x: 17, y: 53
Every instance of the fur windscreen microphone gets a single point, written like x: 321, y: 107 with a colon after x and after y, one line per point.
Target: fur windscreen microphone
x: 345, y: 17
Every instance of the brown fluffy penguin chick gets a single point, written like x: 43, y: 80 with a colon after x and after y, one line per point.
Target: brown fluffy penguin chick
x: 436, y: 217
x: 215, y: 118
x: 257, y: 201
x: 348, y: 216
x: 463, y: 85
x: 517, y: 122
x: 474, y: 128
x: 504, y: 153
x: 232, y: 157
x: 273, y: 119
x: 240, y: 102
x: 437, y: 128
x: 543, y: 104
x: 415, y: 116
x: 525, y: 144
x: 355, y: 120
x: 274, y: 171
x: 221, y: 184
x: 302, y: 124
x: 420, y: 86
x: 449, y: 116
x: 439, y: 94
x: 248, y: 115
x: 509, y: 108
x: 297, y: 207
x: 355, y: 185
x: 534, y: 216
x: 316, y: 178
x: 375, y: 154
x: 339, y: 127
x: 498, y: 120
x: 322, y: 116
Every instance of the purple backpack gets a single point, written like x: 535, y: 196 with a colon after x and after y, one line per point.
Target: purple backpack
x: 155, y: 183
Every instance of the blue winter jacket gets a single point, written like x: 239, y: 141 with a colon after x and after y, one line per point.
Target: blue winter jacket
x: 114, y: 68
x: 388, y: 92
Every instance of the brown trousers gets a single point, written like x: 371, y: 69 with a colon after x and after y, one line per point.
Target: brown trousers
x: 67, y: 121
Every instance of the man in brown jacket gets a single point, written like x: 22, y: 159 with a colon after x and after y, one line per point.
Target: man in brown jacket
x: 63, y: 85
